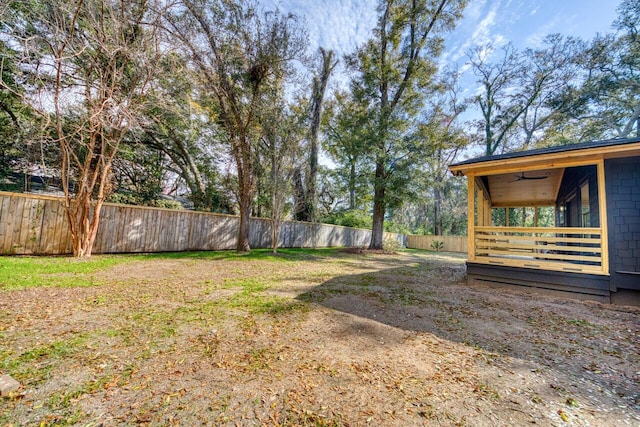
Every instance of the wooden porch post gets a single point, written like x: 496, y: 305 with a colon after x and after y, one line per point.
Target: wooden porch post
x: 487, y: 213
x: 471, y: 229
x: 602, y: 202
x: 480, y: 209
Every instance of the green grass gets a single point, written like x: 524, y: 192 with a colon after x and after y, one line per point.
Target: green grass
x: 252, y: 300
x: 283, y: 255
x: 19, y: 272
x: 581, y: 323
x: 32, y: 367
x: 247, y: 285
x: 27, y: 272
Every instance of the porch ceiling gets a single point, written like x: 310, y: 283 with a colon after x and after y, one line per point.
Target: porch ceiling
x: 532, y: 188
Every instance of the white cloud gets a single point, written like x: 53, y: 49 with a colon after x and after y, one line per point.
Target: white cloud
x: 465, y: 67
x: 474, y: 10
x: 482, y: 34
x: 535, y: 38
x: 477, y: 28
x: 341, y: 25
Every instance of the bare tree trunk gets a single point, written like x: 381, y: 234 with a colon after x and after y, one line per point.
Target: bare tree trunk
x: 299, y: 207
x: 437, y: 220
x: 243, y: 228
x: 379, y: 208
x: 275, y: 234
x: 319, y: 89
x: 245, y: 190
x: 276, y: 197
x: 352, y: 186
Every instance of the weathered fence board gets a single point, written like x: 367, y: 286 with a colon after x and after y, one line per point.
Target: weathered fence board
x: 451, y: 243
x: 33, y: 224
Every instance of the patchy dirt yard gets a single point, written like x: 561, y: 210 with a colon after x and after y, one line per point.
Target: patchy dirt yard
x: 313, y: 338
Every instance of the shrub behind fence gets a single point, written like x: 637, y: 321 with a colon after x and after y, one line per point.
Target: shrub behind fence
x: 449, y: 243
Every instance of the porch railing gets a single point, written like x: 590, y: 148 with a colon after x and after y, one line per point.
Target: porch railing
x: 568, y: 249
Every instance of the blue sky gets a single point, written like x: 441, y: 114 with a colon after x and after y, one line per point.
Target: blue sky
x: 342, y: 25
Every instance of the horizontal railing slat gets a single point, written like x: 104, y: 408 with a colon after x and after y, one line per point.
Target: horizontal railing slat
x: 551, y: 248
x: 540, y: 264
x: 536, y: 248
x: 587, y: 258
x: 541, y: 239
x: 561, y: 230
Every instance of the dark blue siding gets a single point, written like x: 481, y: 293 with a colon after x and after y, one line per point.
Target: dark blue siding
x: 623, y: 209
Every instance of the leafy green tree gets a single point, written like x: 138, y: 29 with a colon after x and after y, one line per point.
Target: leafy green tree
x: 518, y: 101
x: 238, y: 53
x: 281, y: 154
x: 139, y: 174
x: 349, y: 218
x: 606, y: 102
x: 308, y: 199
x: 439, y: 198
x: 346, y: 144
x: 447, y: 140
x: 87, y: 65
x: 395, y: 69
x: 10, y: 111
x: 180, y: 124
x: 549, y: 70
x: 497, y: 101
x: 17, y: 121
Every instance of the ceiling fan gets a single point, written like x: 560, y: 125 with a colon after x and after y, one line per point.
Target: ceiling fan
x: 522, y: 177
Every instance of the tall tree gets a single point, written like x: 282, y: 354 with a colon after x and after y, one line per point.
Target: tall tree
x: 606, y: 103
x: 346, y: 144
x: 238, y: 52
x: 395, y: 68
x: 281, y: 151
x: 549, y: 70
x: 518, y: 100
x: 447, y: 140
x: 179, y: 124
x: 436, y: 200
x: 498, y: 102
x: 308, y: 206
x: 88, y: 64
x: 11, y: 110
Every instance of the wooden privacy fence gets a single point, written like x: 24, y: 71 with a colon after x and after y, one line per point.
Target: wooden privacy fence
x: 450, y: 243
x: 32, y: 224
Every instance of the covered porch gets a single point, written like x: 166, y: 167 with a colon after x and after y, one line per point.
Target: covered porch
x: 539, y: 218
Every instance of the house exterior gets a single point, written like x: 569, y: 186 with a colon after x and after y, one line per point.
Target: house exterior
x: 564, y: 219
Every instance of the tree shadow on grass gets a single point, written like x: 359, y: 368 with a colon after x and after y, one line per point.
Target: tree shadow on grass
x: 285, y: 254
x: 585, y: 343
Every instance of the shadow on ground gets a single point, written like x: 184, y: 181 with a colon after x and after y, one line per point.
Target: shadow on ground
x: 590, y: 346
